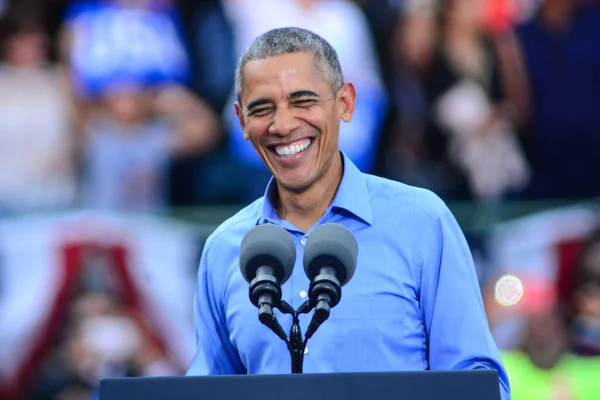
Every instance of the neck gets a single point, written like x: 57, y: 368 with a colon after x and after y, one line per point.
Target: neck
x: 304, y: 209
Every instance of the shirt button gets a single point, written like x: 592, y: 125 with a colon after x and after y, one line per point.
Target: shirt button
x: 303, y: 241
x: 306, y: 350
x: 303, y: 294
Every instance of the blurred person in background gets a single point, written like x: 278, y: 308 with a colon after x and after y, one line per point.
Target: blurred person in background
x: 37, y: 148
x: 551, y: 358
x: 560, y: 118
x: 382, y: 16
x: 211, y: 46
x: 102, y: 337
x: 453, y: 134
x: 239, y: 174
x: 586, y: 323
x: 136, y: 113
x: 543, y: 368
x: 130, y: 139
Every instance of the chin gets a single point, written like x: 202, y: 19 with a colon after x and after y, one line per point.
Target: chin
x: 295, y: 182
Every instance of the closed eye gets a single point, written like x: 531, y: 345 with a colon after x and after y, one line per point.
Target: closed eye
x: 260, y: 112
x: 304, y: 102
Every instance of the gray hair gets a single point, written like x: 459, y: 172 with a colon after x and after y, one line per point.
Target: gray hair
x: 280, y: 41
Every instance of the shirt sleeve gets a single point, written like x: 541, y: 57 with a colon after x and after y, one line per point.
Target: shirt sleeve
x: 453, y: 313
x: 215, y: 355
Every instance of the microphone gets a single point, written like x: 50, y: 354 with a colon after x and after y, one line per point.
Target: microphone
x: 267, y: 257
x: 330, y: 256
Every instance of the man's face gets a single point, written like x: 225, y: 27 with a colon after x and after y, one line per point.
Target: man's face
x: 292, y: 117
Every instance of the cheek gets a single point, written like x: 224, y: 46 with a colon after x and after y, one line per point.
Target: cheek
x: 328, y: 131
x: 316, y: 120
x: 256, y: 129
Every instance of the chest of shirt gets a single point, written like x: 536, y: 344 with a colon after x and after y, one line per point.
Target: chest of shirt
x: 378, y: 314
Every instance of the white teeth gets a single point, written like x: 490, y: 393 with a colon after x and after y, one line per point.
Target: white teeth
x: 292, y: 149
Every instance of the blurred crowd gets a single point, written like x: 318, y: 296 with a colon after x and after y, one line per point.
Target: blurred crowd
x: 127, y: 106
x: 102, y: 334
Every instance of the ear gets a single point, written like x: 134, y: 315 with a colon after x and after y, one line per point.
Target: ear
x: 347, y: 101
x: 240, y: 115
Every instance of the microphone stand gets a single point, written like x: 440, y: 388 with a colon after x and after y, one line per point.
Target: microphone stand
x: 295, y: 343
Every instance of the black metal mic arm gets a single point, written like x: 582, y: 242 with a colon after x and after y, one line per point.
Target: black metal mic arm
x: 296, y: 344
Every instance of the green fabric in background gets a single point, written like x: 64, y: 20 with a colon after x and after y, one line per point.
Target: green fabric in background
x: 577, y: 377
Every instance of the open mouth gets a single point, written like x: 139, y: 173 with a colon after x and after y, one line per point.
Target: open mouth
x: 292, y: 149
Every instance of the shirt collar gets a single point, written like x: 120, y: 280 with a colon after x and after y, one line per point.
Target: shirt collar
x: 352, y: 195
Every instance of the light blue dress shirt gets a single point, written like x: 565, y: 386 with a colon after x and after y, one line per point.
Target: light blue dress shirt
x: 414, y: 302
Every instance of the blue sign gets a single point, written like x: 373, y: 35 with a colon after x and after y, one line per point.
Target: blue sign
x: 112, y: 43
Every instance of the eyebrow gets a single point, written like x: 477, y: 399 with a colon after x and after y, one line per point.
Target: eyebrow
x: 302, y: 93
x: 294, y: 95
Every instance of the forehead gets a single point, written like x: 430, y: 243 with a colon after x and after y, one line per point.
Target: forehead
x: 280, y: 75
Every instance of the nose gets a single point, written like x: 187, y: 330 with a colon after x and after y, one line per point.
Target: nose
x: 284, y: 122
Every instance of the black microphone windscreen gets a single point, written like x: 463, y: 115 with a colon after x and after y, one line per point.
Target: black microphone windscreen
x: 331, y: 245
x: 267, y: 245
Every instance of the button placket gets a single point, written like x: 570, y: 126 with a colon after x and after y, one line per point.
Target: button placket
x: 297, y: 275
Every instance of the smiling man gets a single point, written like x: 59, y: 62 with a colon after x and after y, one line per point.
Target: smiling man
x: 414, y: 302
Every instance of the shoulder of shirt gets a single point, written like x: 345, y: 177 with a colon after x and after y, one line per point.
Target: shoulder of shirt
x: 236, y: 226
x: 388, y: 197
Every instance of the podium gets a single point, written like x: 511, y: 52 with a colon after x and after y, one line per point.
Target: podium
x: 421, y: 385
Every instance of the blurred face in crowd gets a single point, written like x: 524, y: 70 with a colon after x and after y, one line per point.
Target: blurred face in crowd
x: 545, y: 338
x: 467, y: 14
x: 25, y: 49
x: 416, y: 38
x: 291, y: 114
x: 586, y: 329
x: 588, y: 296
x: 127, y: 104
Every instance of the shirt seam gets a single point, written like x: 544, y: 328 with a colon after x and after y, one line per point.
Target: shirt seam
x: 430, y: 235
